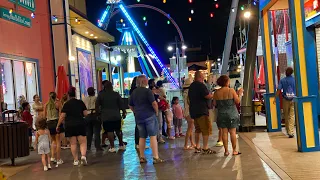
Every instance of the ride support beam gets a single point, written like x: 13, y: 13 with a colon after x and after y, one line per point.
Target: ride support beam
x: 305, y: 66
x: 273, y: 113
x: 247, y: 113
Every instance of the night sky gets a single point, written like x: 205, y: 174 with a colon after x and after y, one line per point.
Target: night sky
x: 159, y: 34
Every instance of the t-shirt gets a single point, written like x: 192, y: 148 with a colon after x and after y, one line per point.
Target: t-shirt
x: 287, y: 85
x: 74, y: 112
x: 109, y: 103
x: 198, y: 102
x: 177, y: 111
x: 141, y: 100
x: 27, y: 117
x: 90, y: 102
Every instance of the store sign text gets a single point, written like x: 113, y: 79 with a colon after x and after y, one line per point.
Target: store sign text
x: 311, y: 8
x: 14, y: 17
x: 28, y: 4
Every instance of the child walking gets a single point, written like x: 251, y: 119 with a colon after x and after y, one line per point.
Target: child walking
x: 177, y: 116
x: 42, y: 141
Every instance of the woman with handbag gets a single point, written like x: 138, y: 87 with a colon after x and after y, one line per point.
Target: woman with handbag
x: 92, y: 120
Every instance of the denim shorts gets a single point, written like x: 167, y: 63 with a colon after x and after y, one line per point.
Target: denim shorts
x: 149, y: 127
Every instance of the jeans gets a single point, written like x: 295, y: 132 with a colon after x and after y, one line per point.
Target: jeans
x: 149, y: 127
x: 93, y: 127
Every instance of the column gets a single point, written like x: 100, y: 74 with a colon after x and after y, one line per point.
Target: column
x: 273, y: 113
x: 305, y: 66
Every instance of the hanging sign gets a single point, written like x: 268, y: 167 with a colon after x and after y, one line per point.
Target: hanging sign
x: 14, y: 17
x: 311, y: 8
x: 28, y: 4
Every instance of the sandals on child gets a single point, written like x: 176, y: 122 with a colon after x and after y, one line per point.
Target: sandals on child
x: 157, y: 160
x: 208, y: 151
x: 143, y: 160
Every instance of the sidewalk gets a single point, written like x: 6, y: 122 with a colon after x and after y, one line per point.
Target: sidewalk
x: 281, y: 154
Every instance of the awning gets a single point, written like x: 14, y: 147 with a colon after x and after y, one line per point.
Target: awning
x: 127, y: 75
x: 85, y: 28
x: 195, y: 67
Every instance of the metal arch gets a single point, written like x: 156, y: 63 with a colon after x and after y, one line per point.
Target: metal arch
x: 156, y: 9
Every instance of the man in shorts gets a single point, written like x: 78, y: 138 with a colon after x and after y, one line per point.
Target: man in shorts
x: 199, y: 111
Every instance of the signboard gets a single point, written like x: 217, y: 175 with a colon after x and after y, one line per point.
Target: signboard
x: 311, y: 8
x: 28, y: 4
x: 14, y: 17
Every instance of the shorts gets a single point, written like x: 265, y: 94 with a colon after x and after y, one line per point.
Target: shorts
x: 76, y: 130
x: 44, y: 148
x: 149, y: 127
x: 52, y: 126
x: 111, y: 126
x: 203, y: 125
x: 177, y: 122
x: 30, y: 132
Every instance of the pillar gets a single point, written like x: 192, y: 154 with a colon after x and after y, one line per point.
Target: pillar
x: 273, y: 113
x: 305, y: 66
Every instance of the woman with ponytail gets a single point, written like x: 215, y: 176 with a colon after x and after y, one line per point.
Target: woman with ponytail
x: 51, y: 113
x: 73, y: 113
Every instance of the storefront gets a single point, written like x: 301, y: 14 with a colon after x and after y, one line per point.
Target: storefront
x: 26, y: 57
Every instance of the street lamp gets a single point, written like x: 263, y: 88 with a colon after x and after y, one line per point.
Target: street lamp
x: 184, y: 47
x: 247, y: 14
x: 170, y: 48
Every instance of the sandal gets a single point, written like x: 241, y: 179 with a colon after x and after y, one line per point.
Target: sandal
x: 156, y: 161
x: 143, y: 160
x: 237, y: 153
x: 188, y: 148
x: 226, y: 154
x: 197, y: 150
x: 208, y: 151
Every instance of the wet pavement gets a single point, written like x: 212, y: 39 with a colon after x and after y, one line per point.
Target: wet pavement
x: 180, y: 164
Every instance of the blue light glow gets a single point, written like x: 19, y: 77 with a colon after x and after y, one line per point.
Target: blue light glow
x: 121, y: 6
x: 104, y: 16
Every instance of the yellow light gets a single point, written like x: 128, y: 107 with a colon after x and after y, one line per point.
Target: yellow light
x: 247, y: 14
x: 121, y: 20
x: 91, y: 35
x: 10, y: 11
x: 79, y: 22
x: 87, y: 32
x: 164, y: 1
x: 190, y: 19
x: 96, y: 37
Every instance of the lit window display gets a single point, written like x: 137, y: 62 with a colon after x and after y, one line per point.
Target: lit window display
x: 18, y: 79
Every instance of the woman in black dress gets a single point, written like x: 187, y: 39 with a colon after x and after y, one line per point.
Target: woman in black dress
x: 73, y: 113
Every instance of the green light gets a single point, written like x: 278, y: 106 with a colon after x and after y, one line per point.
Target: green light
x: 168, y: 22
x: 242, y: 8
x: 144, y: 18
x: 138, y: 0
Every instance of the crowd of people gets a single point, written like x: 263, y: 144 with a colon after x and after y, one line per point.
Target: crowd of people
x: 72, y: 121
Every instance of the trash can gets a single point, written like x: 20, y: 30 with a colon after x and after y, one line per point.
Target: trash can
x: 14, y: 138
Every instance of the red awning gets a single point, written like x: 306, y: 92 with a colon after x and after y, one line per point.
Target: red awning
x: 62, y: 83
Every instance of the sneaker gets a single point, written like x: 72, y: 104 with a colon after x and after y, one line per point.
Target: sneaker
x: 122, y: 148
x: 112, y: 150
x: 45, y: 168
x: 53, y: 160
x: 84, y: 161
x: 219, y: 144
x: 76, y: 163
x: 291, y: 136
x: 49, y: 166
x: 59, y: 162
x: 171, y: 138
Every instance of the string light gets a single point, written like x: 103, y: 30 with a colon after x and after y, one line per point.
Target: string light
x: 190, y: 1
x: 76, y: 20
x: 164, y: 1
x: 54, y: 18
x: 144, y: 18
x: 11, y: 10
x: 33, y: 15
x: 121, y: 20
x: 79, y: 22
x: 192, y: 11
x: 242, y: 8
x: 146, y: 23
x: 168, y: 22
x: 211, y: 15
x: 217, y: 5
x: 138, y: 1
x: 190, y: 19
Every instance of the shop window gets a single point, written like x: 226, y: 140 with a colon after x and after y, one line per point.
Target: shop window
x: 7, y: 83
x: 19, y: 79
x: 31, y: 79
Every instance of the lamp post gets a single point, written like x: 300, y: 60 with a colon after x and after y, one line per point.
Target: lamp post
x: 177, y: 53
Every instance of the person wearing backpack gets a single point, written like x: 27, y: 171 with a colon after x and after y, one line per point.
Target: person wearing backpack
x: 287, y: 86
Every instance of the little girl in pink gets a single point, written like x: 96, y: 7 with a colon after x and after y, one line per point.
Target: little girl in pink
x: 177, y: 116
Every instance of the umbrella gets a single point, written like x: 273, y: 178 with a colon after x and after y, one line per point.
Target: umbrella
x: 195, y: 67
x: 261, y: 78
x: 62, y: 83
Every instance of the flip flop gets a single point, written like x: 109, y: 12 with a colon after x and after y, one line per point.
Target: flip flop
x: 188, y: 148
x: 238, y: 153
